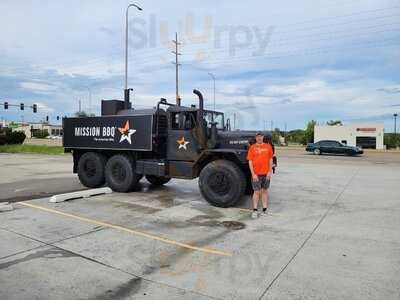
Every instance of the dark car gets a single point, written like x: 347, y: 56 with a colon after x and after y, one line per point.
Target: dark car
x: 332, y: 147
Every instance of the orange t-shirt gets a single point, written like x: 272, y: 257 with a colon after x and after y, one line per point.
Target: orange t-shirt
x: 260, y: 155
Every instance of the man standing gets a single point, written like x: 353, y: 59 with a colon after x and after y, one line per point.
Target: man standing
x: 260, y: 162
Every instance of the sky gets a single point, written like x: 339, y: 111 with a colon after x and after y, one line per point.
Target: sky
x: 276, y: 63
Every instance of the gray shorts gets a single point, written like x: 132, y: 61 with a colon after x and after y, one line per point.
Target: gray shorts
x: 261, y: 183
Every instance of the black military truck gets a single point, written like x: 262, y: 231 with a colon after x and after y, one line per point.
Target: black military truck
x: 169, y: 141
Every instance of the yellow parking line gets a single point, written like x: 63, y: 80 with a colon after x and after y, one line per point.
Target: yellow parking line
x: 249, y: 210
x: 124, y: 229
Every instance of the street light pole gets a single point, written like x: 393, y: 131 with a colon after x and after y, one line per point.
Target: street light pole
x: 126, y: 90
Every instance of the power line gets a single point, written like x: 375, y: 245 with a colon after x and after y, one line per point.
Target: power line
x: 321, y: 50
x: 97, y: 62
x: 287, y: 25
x: 314, y: 36
x: 283, y: 42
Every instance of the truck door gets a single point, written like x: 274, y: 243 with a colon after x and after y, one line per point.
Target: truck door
x: 182, y: 144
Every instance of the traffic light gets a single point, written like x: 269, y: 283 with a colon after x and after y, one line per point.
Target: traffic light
x: 5, y: 105
x: 47, y: 118
x: 21, y: 106
x: 58, y: 118
x: 34, y: 107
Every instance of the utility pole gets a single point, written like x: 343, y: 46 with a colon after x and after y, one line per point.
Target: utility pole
x: 213, y: 77
x: 177, y: 64
x: 234, y: 121
x: 272, y: 125
x: 285, y: 135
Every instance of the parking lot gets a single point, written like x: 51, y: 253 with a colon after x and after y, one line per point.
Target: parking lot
x: 332, y: 233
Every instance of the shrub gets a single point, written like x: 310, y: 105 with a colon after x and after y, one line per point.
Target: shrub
x: 15, y: 137
x: 3, y: 139
x: 40, y: 134
x: 391, y: 140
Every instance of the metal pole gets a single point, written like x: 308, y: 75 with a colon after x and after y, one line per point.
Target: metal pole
x: 395, y: 125
x: 213, y: 77
x: 177, y: 69
x: 285, y: 133
x: 126, y: 92
x: 176, y: 52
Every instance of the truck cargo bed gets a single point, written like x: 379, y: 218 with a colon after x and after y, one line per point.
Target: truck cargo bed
x: 109, y: 132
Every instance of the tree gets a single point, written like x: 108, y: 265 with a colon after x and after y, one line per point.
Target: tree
x: 334, y: 123
x: 295, y: 136
x: 391, y: 140
x: 309, y: 133
x: 275, y: 136
x: 40, y: 133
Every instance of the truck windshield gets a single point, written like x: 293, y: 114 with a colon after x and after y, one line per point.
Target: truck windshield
x: 216, y: 116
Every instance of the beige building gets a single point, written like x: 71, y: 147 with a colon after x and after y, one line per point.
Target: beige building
x: 364, y: 135
x: 29, y: 128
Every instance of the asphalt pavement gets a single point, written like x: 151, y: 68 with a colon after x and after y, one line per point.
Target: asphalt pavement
x: 332, y: 232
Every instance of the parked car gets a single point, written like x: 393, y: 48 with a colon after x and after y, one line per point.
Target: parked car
x: 333, y: 147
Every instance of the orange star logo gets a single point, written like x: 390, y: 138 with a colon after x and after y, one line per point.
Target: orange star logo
x: 124, y: 129
x: 182, y: 143
x: 126, y: 133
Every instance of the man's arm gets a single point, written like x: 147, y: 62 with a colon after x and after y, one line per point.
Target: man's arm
x: 253, y: 175
x: 270, y: 168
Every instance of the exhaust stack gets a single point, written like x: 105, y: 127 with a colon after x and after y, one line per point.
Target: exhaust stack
x: 200, y: 121
x: 127, y: 102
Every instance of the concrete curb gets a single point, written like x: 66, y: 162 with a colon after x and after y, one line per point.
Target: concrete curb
x: 6, y: 207
x: 80, y: 194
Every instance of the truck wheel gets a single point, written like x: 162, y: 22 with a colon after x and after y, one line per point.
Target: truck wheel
x: 91, y: 166
x: 120, y: 174
x: 157, y: 180
x: 222, y: 183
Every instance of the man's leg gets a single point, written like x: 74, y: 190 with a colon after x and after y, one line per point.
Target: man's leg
x: 256, y: 197
x: 264, y: 197
x: 264, y: 194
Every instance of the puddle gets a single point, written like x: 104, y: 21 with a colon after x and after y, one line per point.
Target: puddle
x: 233, y: 225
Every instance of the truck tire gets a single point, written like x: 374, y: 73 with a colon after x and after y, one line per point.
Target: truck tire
x: 222, y: 183
x: 157, y: 180
x: 91, y: 167
x: 120, y: 174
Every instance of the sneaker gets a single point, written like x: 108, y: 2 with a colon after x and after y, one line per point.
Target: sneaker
x: 264, y: 213
x: 254, y: 214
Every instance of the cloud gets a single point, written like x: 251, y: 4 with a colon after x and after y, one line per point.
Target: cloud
x: 44, y: 108
x: 390, y: 90
x: 36, y: 87
x: 323, y: 61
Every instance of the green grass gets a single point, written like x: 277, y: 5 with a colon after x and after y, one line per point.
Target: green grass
x: 41, y: 149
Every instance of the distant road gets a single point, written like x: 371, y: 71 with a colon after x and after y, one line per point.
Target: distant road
x: 31, y: 176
